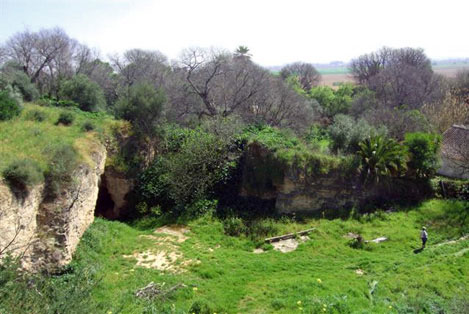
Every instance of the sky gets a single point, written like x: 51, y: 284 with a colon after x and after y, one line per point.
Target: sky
x: 276, y: 32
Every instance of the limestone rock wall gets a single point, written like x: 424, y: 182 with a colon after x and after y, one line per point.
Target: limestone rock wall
x: 48, y: 232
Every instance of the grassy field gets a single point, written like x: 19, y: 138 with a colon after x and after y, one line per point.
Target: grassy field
x: 27, y: 137
x: 221, y: 274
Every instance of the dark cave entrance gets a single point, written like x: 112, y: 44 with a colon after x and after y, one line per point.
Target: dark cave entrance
x: 104, y: 204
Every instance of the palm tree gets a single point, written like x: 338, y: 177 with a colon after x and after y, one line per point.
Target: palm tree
x: 381, y: 158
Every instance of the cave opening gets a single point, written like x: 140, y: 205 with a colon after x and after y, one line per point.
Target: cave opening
x: 104, y: 204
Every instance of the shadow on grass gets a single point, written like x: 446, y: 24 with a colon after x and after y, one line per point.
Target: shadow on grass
x: 419, y: 250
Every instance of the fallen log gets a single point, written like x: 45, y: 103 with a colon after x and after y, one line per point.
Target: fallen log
x: 288, y: 236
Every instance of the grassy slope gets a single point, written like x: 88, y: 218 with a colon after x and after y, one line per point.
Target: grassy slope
x: 21, y: 138
x: 234, y: 280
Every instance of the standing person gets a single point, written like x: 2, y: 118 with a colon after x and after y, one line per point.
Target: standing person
x: 424, y: 236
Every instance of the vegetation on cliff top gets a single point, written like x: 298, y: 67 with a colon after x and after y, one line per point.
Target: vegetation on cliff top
x: 36, y: 133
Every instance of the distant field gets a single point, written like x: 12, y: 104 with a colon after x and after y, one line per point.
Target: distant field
x: 335, y: 76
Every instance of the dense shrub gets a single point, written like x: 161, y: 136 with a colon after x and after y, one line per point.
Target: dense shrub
x: 36, y: 115
x: 262, y: 228
x: 197, y: 167
x: 9, y: 106
x: 88, y: 126
x: 201, y: 207
x: 202, y: 307
x: 59, y: 174
x: 234, y: 226
x: 22, y: 174
x: 186, y: 174
x: 65, y: 118
x: 423, y: 152
x: 86, y: 93
x: 346, y: 133
x: 13, y: 75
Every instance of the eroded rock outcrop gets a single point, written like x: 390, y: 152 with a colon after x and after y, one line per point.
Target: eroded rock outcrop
x: 47, y: 232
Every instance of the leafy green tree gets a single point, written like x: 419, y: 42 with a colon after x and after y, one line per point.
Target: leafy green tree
x: 381, y: 158
x: 142, y: 106
x: 86, y: 93
x: 187, y: 173
x: 423, y: 152
x: 333, y: 102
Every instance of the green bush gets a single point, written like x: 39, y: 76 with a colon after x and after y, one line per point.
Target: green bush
x: 60, y: 170
x: 22, y: 174
x: 423, y: 152
x: 65, y: 118
x: 200, y: 208
x: 201, y: 307
x: 346, y: 133
x: 88, y: 126
x: 262, y: 228
x: 234, y: 226
x: 36, y: 115
x: 86, y: 93
x: 193, y: 162
x: 200, y: 164
x: 13, y: 75
x: 9, y: 107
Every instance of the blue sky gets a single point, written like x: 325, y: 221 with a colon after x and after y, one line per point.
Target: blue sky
x: 277, y: 32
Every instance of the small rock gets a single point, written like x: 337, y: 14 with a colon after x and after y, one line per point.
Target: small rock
x: 379, y: 240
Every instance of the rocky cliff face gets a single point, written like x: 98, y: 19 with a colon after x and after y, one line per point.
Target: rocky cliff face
x: 291, y: 190
x: 48, y: 232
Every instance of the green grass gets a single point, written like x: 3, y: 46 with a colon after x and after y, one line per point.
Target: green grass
x: 231, y: 279
x: 26, y: 138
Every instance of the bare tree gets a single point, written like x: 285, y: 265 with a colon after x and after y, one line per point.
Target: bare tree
x: 223, y: 83
x: 399, y: 77
x: 136, y: 66
x: 45, y: 56
x: 307, y: 74
x: 455, y: 149
x: 218, y: 83
x: 279, y: 105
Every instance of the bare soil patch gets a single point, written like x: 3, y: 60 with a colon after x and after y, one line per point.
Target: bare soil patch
x: 165, y: 255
